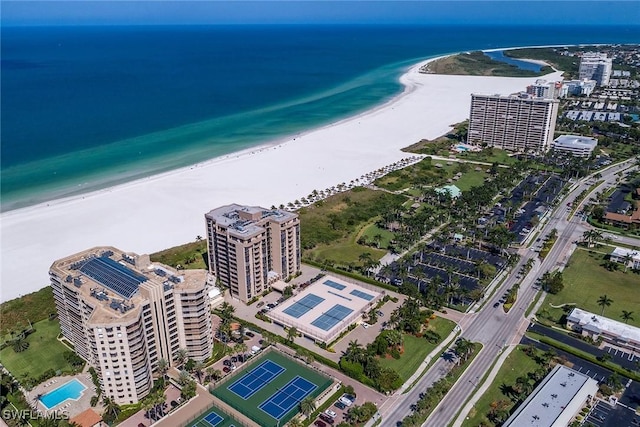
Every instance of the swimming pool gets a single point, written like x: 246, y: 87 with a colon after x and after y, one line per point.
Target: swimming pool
x: 462, y: 147
x: 71, y: 390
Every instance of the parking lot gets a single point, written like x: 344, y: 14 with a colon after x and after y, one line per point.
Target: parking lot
x: 337, y: 412
x: 619, y: 355
x: 604, y: 414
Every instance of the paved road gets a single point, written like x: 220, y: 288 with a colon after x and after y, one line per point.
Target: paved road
x: 491, y: 326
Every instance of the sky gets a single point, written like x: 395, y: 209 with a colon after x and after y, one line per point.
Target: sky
x: 429, y: 12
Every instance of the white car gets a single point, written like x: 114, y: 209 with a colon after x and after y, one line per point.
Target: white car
x: 345, y: 401
x: 330, y: 413
x: 365, y: 325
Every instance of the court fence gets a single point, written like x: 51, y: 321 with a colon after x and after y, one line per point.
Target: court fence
x: 220, y: 406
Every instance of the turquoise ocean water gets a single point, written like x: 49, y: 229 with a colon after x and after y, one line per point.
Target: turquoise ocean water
x: 89, y: 107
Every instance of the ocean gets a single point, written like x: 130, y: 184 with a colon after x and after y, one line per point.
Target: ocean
x: 90, y: 107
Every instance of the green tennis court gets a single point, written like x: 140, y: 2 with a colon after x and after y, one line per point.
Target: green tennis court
x: 257, y: 401
x: 214, y: 417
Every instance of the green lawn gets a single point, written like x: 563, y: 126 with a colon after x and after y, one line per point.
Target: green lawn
x: 44, y: 352
x: 17, y: 313
x: 250, y: 406
x: 471, y: 179
x: 372, y: 230
x: 517, y: 364
x: 585, y: 280
x: 345, y: 251
x: 490, y: 155
x: 416, y: 349
x: 190, y: 255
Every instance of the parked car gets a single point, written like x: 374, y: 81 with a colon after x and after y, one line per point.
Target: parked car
x: 340, y: 405
x: 330, y: 413
x: 496, y: 305
x: 227, y: 362
x: 226, y: 370
x: 345, y: 400
x: 326, y: 418
x: 379, y: 313
x: 260, y: 304
x: 365, y: 325
x: 250, y: 334
x: 319, y: 423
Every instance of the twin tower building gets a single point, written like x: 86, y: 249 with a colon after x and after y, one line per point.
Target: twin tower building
x: 127, y: 315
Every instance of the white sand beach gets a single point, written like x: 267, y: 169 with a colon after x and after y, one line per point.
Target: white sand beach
x: 166, y: 210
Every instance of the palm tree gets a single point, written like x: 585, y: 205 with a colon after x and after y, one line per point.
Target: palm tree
x: 198, y: 368
x: 213, y: 373
x: 354, y: 351
x: 627, y: 261
x: 183, y: 378
x: 307, y: 406
x: 296, y: 422
x: 20, y: 344
x: 627, y: 315
x: 292, y: 333
x: 181, y: 355
x: 463, y: 348
x: 604, y: 301
x: 163, y: 367
x: 226, y: 312
x: 111, y: 409
x: 240, y: 348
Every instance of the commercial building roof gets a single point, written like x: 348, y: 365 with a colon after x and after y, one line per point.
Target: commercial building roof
x: 620, y: 330
x: 575, y: 142
x: 555, y: 401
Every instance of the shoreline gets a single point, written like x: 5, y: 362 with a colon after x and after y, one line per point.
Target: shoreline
x: 167, y: 209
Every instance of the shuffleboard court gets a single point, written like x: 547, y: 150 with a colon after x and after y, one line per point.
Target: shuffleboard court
x: 279, y: 397
x: 287, y: 397
x: 256, y: 378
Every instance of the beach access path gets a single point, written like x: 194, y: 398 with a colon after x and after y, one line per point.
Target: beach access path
x: 166, y: 210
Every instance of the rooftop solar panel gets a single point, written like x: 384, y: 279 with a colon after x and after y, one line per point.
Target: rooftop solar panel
x: 303, y: 306
x: 334, y: 285
x: 113, y: 275
x: 332, y: 317
x: 362, y: 295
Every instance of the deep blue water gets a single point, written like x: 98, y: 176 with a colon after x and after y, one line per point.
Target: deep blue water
x: 498, y: 55
x: 88, y: 107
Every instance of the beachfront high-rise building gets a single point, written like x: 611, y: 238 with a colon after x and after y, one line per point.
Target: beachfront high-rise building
x: 544, y: 89
x: 249, y: 247
x: 124, y: 313
x: 517, y: 122
x: 577, y: 87
x: 595, y: 66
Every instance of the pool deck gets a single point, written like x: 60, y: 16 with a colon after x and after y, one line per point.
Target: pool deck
x: 70, y: 407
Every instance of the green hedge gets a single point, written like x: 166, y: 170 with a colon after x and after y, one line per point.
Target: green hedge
x: 335, y: 396
x: 587, y: 356
x: 352, y: 275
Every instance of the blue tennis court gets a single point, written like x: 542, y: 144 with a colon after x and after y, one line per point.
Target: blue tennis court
x: 213, y: 419
x: 361, y: 294
x: 332, y: 317
x: 334, y: 285
x: 287, y: 397
x: 255, y: 379
x: 303, y: 306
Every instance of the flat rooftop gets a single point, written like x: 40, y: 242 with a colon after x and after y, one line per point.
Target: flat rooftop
x: 247, y: 220
x: 546, y: 404
x: 594, y: 322
x: 110, y: 279
x: 326, y: 308
x: 575, y: 141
